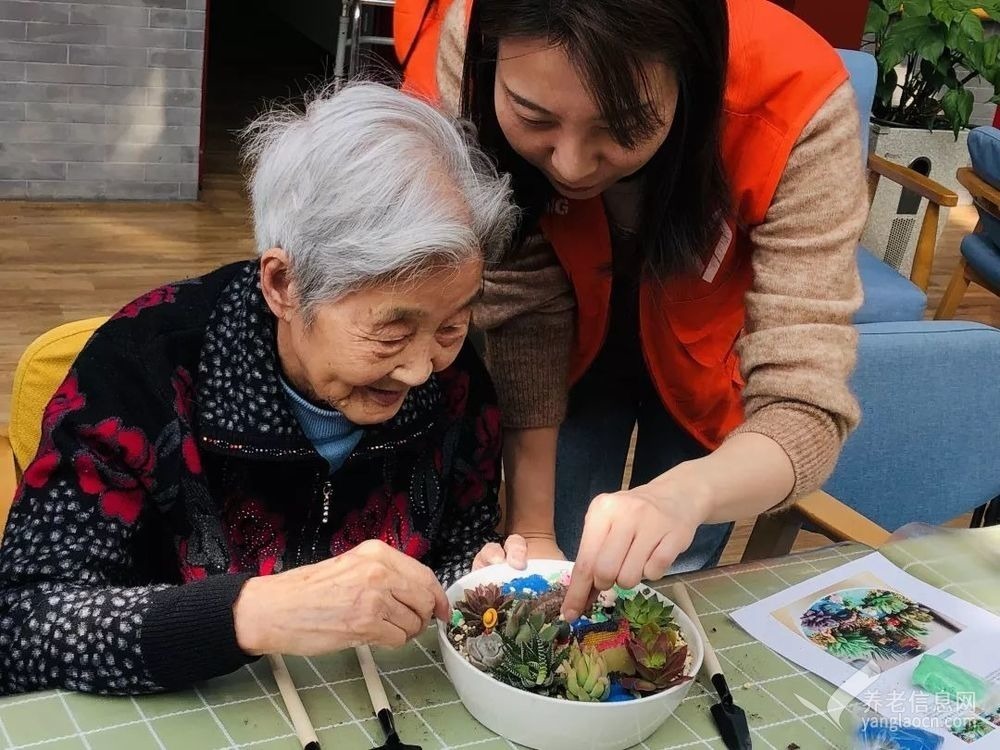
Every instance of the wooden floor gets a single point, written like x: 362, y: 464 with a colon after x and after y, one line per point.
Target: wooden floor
x: 63, y: 262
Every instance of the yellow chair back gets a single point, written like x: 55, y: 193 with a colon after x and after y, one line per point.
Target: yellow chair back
x: 40, y: 371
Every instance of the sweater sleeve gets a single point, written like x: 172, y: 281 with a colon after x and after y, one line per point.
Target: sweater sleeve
x: 800, y: 345
x: 527, y: 310
x: 451, y: 56
x: 85, y: 602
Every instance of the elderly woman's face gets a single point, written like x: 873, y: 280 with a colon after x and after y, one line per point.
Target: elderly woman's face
x: 362, y: 353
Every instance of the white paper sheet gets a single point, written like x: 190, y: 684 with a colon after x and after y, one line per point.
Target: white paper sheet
x: 864, y: 626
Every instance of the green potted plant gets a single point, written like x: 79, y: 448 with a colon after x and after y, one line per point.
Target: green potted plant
x: 929, y: 53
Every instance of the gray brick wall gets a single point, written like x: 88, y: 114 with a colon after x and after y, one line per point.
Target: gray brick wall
x: 100, y: 100
x: 983, y: 112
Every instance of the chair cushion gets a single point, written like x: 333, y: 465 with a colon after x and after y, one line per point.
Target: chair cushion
x: 984, y: 257
x: 928, y: 441
x: 889, y: 297
x: 984, y: 148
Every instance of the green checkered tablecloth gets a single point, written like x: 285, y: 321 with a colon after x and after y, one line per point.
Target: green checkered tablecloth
x: 786, y: 706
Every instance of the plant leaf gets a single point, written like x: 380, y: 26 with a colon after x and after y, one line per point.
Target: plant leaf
x: 917, y: 8
x: 887, y: 87
x: 972, y: 27
x: 957, y: 105
x: 991, y: 54
x: 930, y: 46
x: 942, y: 11
x: 891, y: 54
x: 878, y: 19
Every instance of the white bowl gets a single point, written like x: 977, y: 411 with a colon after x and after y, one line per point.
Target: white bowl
x: 544, y: 723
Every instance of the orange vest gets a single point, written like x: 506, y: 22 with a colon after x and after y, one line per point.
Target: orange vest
x: 780, y: 74
x: 420, y: 74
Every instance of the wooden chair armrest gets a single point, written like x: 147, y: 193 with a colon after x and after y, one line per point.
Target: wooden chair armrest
x: 8, y: 480
x: 925, y: 187
x: 977, y: 186
x: 838, y: 521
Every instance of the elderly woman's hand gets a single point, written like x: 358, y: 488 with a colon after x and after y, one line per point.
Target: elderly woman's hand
x: 514, y: 552
x: 371, y: 595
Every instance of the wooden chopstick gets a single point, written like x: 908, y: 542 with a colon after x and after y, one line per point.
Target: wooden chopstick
x: 293, y: 704
x: 710, y: 665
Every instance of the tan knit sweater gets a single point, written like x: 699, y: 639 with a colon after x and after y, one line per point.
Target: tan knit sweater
x: 799, y: 347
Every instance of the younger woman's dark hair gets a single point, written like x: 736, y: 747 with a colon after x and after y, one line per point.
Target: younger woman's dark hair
x: 685, y: 193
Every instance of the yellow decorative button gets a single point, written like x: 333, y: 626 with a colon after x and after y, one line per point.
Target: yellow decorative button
x: 490, y: 618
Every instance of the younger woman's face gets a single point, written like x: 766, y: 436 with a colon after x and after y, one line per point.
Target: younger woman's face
x: 550, y: 118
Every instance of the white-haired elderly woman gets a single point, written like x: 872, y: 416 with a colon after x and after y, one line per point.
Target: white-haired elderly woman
x: 290, y: 454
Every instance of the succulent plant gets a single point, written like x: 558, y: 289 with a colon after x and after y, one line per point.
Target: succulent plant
x: 532, y: 664
x: 586, y: 675
x: 643, y: 609
x: 480, y: 600
x: 659, y: 655
x: 485, y: 652
x: 524, y: 622
x: 550, y: 603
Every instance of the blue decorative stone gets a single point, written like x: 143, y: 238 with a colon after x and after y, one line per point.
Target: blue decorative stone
x: 527, y: 586
x: 580, y: 623
x: 619, y: 694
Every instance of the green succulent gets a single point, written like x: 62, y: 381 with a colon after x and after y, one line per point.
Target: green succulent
x: 659, y: 655
x: 524, y: 622
x: 532, y: 664
x: 645, y: 609
x: 586, y: 675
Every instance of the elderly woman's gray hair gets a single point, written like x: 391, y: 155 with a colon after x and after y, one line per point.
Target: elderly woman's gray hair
x: 371, y: 183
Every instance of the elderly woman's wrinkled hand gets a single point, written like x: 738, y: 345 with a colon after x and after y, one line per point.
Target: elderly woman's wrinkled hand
x: 371, y: 595
x: 514, y: 552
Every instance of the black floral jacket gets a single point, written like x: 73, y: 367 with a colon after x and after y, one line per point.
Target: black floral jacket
x: 171, y: 469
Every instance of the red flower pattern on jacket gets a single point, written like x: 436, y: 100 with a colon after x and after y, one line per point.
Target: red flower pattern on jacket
x: 109, y: 445
x: 485, y: 458
x: 385, y: 518
x: 256, y: 536
x: 163, y: 295
x: 66, y: 399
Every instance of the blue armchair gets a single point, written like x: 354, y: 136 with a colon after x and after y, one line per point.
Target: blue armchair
x: 980, y: 259
x: 927, y: 451
x: 890, y: 297
x: 924, y: 452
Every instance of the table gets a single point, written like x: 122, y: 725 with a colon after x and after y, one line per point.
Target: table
x: 785, y: 706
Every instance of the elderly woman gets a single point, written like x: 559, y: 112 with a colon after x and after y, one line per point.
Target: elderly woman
x: 287, y: 455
